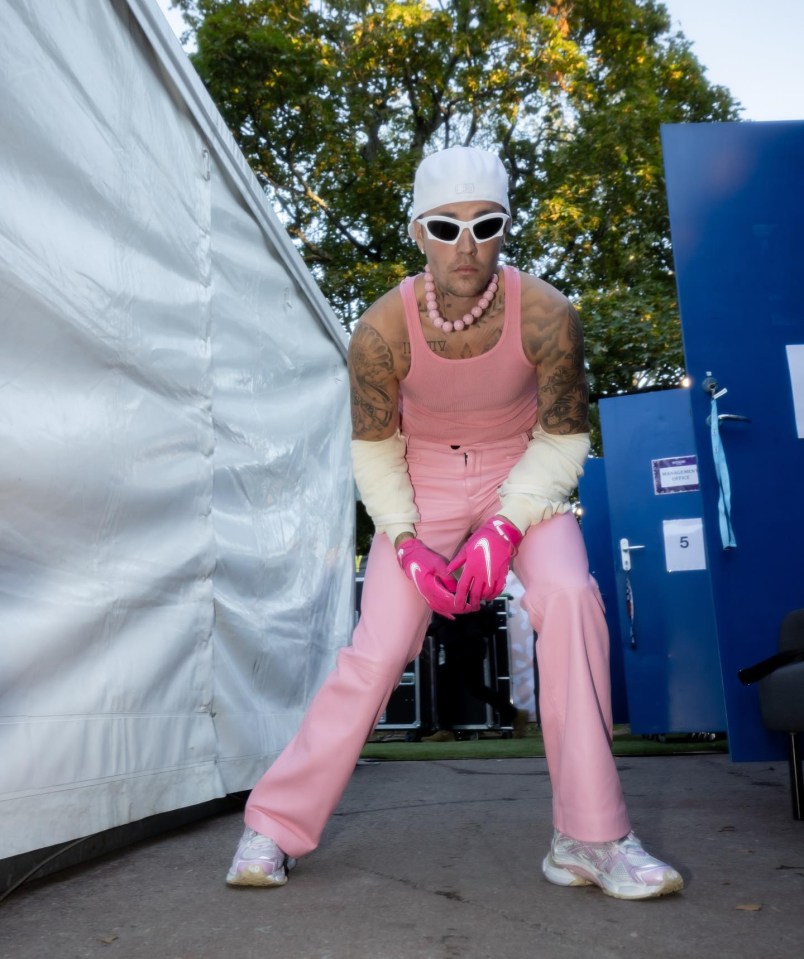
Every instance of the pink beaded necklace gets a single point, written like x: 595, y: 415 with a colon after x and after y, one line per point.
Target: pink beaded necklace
x: 467, y: 319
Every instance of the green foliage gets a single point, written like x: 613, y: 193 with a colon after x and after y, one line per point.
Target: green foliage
x: 335, y: 106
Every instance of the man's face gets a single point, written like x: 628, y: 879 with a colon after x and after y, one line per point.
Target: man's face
x: 463, y: 268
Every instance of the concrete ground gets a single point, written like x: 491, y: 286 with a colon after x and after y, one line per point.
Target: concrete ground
x: 440, y: 860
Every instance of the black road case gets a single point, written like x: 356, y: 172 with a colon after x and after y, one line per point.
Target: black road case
x: 404, y: 709
x: 470, y: 665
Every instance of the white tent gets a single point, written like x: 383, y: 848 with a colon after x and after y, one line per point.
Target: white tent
x: 176, y: 498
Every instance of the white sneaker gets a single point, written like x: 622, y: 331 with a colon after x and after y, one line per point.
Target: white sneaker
x: 259, y: 862
x: 621, y: 868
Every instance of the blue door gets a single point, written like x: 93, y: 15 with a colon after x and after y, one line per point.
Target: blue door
x: 736, y: 199
x: 666, y: 613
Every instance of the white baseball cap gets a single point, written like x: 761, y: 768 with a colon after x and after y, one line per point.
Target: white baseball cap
x: 457, y: 174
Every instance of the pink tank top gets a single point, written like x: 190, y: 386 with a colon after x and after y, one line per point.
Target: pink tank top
x: 473, y: 401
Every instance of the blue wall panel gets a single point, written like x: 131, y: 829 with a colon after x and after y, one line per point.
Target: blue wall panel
x: 736, y: 199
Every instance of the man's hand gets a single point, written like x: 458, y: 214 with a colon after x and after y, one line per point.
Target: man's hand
x: 428, y: 572
x: 485, y: 558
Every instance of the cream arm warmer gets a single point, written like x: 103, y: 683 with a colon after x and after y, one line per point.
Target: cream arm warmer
x: 381, y: 474
x: 540, y: 484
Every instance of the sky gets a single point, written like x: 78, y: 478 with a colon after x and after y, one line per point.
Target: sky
x: 754, y: 49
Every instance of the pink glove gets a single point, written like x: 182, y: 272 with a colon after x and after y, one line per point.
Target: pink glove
x: 428, y: 572
x: 485, y: 558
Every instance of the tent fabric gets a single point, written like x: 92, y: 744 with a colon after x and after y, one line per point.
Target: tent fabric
x: 176, y: 521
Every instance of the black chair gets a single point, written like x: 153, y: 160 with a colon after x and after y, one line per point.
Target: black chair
x: 780, y: 681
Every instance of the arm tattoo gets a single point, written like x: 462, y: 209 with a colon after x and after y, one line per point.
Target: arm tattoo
x: 371, y: 372
x: 563, y: 391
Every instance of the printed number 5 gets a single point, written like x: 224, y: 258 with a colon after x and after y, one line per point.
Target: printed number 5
x: 684, y: 541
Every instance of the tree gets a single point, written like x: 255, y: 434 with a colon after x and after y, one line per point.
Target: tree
x: 335, y: 106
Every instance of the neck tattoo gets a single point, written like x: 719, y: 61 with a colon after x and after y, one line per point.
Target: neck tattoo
x: 467, y: 319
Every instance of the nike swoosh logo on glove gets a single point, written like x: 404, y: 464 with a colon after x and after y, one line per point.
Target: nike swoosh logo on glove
x: 484, y: 545
x: 498, y: 525
x: 415, y: 568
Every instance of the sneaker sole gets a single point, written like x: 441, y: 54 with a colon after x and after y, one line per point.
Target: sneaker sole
x: 563, y: 876
x: 261, y: 881
x: 278, y: 878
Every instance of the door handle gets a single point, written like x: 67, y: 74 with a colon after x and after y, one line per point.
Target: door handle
x: 625, y: 553
x: 728, y: 417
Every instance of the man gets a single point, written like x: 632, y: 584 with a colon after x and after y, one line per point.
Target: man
x: 469, y: 413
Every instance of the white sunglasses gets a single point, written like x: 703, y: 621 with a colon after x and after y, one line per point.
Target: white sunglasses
x: 446, y: 229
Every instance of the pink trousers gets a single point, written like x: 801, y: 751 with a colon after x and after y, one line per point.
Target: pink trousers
x: 456, y: 489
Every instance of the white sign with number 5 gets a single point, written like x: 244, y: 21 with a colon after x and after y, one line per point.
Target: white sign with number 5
x: 684, y: 544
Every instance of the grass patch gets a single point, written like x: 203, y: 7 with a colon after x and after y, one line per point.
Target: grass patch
x: 493, y: 746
